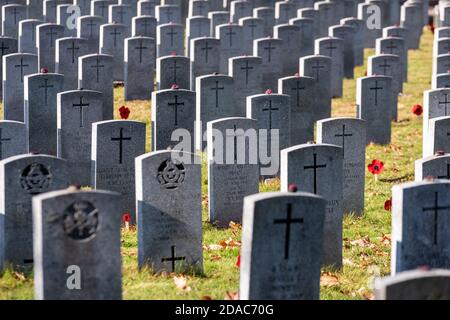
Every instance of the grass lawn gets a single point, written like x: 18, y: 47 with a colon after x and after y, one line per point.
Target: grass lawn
x: 366, y: 240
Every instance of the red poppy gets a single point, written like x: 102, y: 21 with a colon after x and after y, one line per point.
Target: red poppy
x: 126, y: 217
x: 417, y: 109
x: 440, y: 152
x: 376, y: 167
x: 388, y: 204
x: 297, y: 75
x: 268, y: 91
x: 292, y: 188
x: 173, y: 53
x: 175, y: 86
x: 124, y: 112
x: 238, y: 262
x: 44, y: 70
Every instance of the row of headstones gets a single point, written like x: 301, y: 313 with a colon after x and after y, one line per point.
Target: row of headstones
x: 436, y: 102
x: 80, y: 222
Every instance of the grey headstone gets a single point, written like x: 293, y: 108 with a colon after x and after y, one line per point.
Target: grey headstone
x: 388, y: 65
x: 311, y: 13
x: 170, y: 39
x: 334, y: 48
x: 436, y: 103
x: 268, y: 16
x: 88, y: 27
x: 436, y: 166
x: 217, y: 18
x: 253, y: 28
x: 40, y: 90
x: 247, y: 74
x: 317, y: 169
x: 414, y: 285
x: 240, y: 9
x: 205, y: 58
x: 168, y: 200
x: 21, y: 178
x: 396, y: 46
x: 350, y: 135
x: 284, y: 233
x: 112, y: 38
x: 438, y: 136
x: 140, y: 61
x: 68, y: 50
x: 167, y: 14
x: 12, y: 14
x: 8, y: 45
x: 374, y: 104
x: 15, y: 67
x: 271, y: 52
x: 27, y: 36
x: 215, y: 100
x: 272, y: 113
x: 441, y: 81
x: 326, y: 16
x: 411, y: 19
x: 370, y: 35
x: 197, y: 27
x: 306, y: 42
x: 291, y: 36
x: 346, y: 33
x: 35, y: 9
x: 84, y: 5
x: 63, y: 16
x: 94, y: 73
x: 198, y: 8
x: 285, y: 11
x: 13, y: 138
x: 301, y: 90
x: 100, y: 8
x: 49, y: 10
x: 231, y: 38
x: 121, y: 14
x: 420, y: 219
x: 172, y: 109
x: 358, y: 38
x: 146, y: 7
x: 46, y: 36
x: 86, y: 224
x: 172, y: 70
x: 233, y: 170
x: 319, y: 68
x: 115, y: 144
x: 144, y: 26
x: 76, y: 112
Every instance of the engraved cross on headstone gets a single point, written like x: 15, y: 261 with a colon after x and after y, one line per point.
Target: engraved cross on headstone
x: 376, y: 88
x: 288, y: 222
x: 121, y: 139
x: 1, y: 142
x: 217, y: 88
x: 173, y: 258
x: 81, y: 105
x: 270, y: 108
x: 435, y: 209
x: 314, y: 167
x: 176, y: 104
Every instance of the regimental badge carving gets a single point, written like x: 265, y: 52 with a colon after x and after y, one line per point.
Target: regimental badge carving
x: 35, y: 178
x: 80, y: 220
x: 171, y: 174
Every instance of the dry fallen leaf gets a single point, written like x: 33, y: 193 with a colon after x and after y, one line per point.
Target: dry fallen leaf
x: 234, y: 225
x: 363, y: 242
x: 19, y: 276
x: 206, y: 298
x: 181, y: 283
x: 232, y: 295
x: 210, y: 247
x: 215, y: 257
x: 328, y: 280
x: 385, y: 239
x: 230, y: 243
